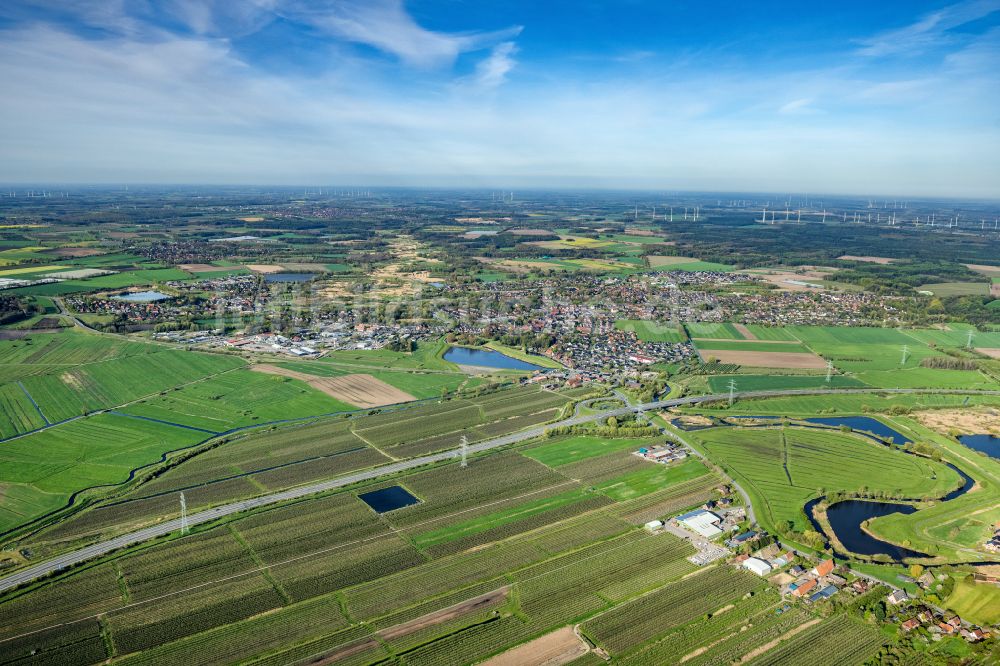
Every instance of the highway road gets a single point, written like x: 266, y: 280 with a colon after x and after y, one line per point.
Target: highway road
x: 98, y: 549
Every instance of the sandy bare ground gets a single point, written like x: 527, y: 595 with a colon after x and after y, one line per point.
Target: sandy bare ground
x: 871, y: 260
x: 688, y: 419
x: 992, y: 353
x: 782, y: 278
x: 360, y: 390
x: 769, y: 646
x: 265, y: 268
x: 559, y: 647
x: 971, y: 420
x: 995, y: 289
x: 251, y: 219
x: 76, y: 251
x: 756, y: 359
x: 992, y: 271
x: 744, y: 331
x: 79, y: 274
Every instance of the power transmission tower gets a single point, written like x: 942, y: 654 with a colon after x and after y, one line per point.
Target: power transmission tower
x: 906, y: 351
x: 465, y: 451
x: 732, y: 391
x: 829, y: 371
x: 968, y: 343
x: 184, y: 516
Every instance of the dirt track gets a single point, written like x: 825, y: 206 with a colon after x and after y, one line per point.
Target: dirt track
x: 415, y: 625
x: 445, y: 614
x: 360, y: 390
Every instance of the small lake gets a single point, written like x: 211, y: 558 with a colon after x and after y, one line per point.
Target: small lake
x: 846, y: 518
x: 865, y: 424
x: 289, y: 277
x: 143, y: 297
x: 987, y: 444
x: 487, y: 358
x: 388, y: 499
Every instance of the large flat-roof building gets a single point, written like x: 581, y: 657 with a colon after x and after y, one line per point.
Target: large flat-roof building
x: 701, y: 522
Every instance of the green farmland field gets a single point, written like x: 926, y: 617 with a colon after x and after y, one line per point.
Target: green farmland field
x: 724, y: 331
x: 720, y: 383
x: 41, y: 470
x: 238, y: 398
x: 884, y: 357
x: 957, y: 288
x: 650, y: 331
x: 651, y: 479
x: 976, y: 602
x: 69, y: 374
x: 750, y: 345
x: 574, y: 449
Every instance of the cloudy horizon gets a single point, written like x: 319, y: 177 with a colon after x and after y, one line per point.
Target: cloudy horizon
x: 900, y: 98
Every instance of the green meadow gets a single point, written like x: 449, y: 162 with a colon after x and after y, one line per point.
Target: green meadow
x: 783, y: 468
x: 650, y: 331
x: 574, y: 449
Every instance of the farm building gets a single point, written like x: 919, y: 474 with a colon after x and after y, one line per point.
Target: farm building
x: 702, y: 522
x: 825, y: 593
x: 756, y: 565
x: 823, y: 568
x: 802, y: 589
x: 654, y: 525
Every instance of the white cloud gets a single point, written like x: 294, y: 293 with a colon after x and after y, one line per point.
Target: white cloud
x: 797, y: 106
x: 929, y: 31
x: 386, y: 25
x: 160, y: 107
x: 492, y: 71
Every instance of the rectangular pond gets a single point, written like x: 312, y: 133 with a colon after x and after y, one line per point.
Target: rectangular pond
x: 143, y: 297
x: 487, y: 358
x: 388, y: 499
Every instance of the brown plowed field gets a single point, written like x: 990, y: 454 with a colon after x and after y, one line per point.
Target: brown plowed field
x: 360, y: 390
x: 559, y: 647
x: 758, y: 359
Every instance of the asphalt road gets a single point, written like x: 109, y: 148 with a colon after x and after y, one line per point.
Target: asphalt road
x: 69, y: 559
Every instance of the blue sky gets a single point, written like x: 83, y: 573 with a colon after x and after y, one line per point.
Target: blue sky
x: 858, y: 97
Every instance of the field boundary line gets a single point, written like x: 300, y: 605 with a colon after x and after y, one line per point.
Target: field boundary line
x: 391, y: 531
x: 32, y: 400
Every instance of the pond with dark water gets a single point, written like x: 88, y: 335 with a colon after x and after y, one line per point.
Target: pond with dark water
x: 845, y: 521
x: 988, y: 444
x: 388, y: 499
x: 487, y: 358
x: 863, y: 423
